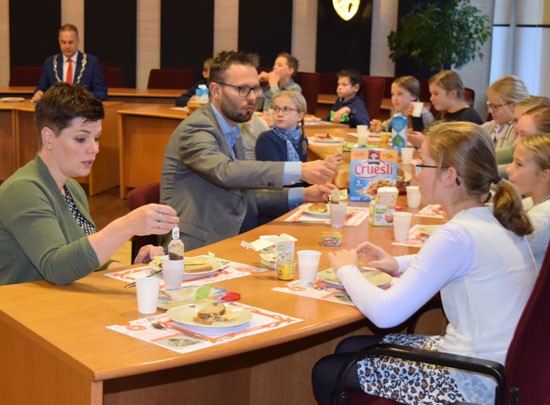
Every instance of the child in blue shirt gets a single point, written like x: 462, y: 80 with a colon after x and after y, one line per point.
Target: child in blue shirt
x: 350, y: 107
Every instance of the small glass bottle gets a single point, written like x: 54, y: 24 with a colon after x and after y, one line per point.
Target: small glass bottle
x: 176, y: 248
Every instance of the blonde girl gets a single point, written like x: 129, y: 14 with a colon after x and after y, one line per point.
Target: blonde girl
x: 502, y: 97
x: 530, y: 172
x: 404, y: 90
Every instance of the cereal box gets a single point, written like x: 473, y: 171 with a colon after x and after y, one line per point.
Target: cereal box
x: 371, y: 169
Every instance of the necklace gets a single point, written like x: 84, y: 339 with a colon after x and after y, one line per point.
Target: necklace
x: 83, y: 67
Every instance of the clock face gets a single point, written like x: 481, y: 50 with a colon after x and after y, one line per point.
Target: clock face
x: 346, y: 9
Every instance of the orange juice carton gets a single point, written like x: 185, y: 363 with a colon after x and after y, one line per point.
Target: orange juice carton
x: 399, y: 132
x: 273, y: 249
x: 371, y: 169
x: 382, y: 208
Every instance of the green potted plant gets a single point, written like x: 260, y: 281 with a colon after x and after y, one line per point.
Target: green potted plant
x: 439, y: 36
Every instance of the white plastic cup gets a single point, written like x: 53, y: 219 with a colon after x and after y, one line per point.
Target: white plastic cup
x: 172, y: 273
x: 308, y: 265
x: 401, y: 225
x: 418, y: 106
x: 407, y: 155
x: 338, y: 214
x: 147, y: 289
x: 362, y: 134
x: 413, y: 196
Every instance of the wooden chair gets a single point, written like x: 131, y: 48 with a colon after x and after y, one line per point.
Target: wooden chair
x: 373, y: 92
x: 170, y: 79
x: 25, y: 75
x: 136, y: 198
x: 310, y: 89
x: 525, y: 375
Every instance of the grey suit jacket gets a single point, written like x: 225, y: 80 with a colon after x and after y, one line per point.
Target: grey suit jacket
x: 215, y: 195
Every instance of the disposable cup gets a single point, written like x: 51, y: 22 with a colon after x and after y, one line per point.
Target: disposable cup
x: 407, y: 155
x: 401, y: 225
x: 413, y: 197
x: 338, y: 214
x: 418, y: 106
x: 172, y: 272
x: 308, y: 264
x: 147, y: 289
x: 362, y: 134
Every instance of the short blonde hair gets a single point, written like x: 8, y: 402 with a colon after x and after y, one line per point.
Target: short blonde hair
x: 541, y: 117
x: 296, y: 97
x: 469, y: 149
x: 448, y: 80
x: 539, y: 146
x: 509, y: 89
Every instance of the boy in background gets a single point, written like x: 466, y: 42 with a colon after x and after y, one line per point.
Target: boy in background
x: 350, y: 106
x: 279, y: 79
x: 189, y: 95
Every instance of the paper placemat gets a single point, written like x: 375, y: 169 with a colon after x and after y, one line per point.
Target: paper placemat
x: 184, y: 339
x: 432, y: 211
x: 228, y: 271
x: 354, y: 218
x: 418, y: 235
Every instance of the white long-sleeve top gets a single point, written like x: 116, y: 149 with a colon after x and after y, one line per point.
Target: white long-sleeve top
x: 484, y: 272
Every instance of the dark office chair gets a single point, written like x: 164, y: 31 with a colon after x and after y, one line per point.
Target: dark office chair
x: 170, y: 79
x: 136, y: 198
x: 25, y: 75
x: 309, y: 82
x: 524, y: 377
x: 373, y: 90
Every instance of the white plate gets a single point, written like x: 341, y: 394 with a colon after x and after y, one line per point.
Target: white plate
x: 332, y: 139
x: 185, y: 313
x: 305, y: 208
x: 378, y: 278
x: 12, y: 99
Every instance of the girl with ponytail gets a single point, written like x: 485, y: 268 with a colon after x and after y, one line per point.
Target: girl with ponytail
x: 479, y: 262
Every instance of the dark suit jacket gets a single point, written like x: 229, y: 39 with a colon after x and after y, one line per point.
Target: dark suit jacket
x: 92, y: 78
x: 216, y: 195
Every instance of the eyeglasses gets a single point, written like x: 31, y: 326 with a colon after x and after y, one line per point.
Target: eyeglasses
x: 244, y: 91
x: 495, y: 107
x: 284, y: 110
x: 420, y: 166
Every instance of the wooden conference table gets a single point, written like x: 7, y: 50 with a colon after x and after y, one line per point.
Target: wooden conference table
x: 19, y: 144
x: 55, y: 347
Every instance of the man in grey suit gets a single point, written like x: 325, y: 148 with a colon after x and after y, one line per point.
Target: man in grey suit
x: 216, y: 193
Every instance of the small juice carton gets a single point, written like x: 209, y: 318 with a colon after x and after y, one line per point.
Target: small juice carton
x: 382, y: 208
x: 399, y: 132
x: 273, y: 249
x: 371, y: 169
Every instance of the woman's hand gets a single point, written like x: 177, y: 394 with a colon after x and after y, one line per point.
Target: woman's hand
x: 318, y: 192
x: 151, y: 219
x: 377, y: 257
x: 342, y: 258
x: 147, y: 252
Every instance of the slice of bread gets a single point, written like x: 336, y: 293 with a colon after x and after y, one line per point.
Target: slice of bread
x: 209, y: 313
x: 197, y: 265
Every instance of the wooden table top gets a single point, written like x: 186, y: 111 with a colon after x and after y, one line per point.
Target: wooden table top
x: 70, y: 321
x: 154, y: 110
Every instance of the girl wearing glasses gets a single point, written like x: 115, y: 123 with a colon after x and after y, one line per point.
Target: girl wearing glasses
x: 480, y: 263
x: 502, y: 97
x: 285, y: 142
x: 530, y: 171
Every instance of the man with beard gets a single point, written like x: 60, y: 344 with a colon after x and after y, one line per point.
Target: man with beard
x: 216, y: 193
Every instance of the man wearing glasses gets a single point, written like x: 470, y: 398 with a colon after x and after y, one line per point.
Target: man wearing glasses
x: 217, y: 193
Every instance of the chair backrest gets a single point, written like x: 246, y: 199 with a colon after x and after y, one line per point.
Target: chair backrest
x: 114, y: 77
x: 25, y: 75
x: 328, y: 83
x: 136, y: 198
x: 170, y: 79
x: 373, y: 90
x: 309, y: 82
x: 469, y: 96
x: 528, y: 359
